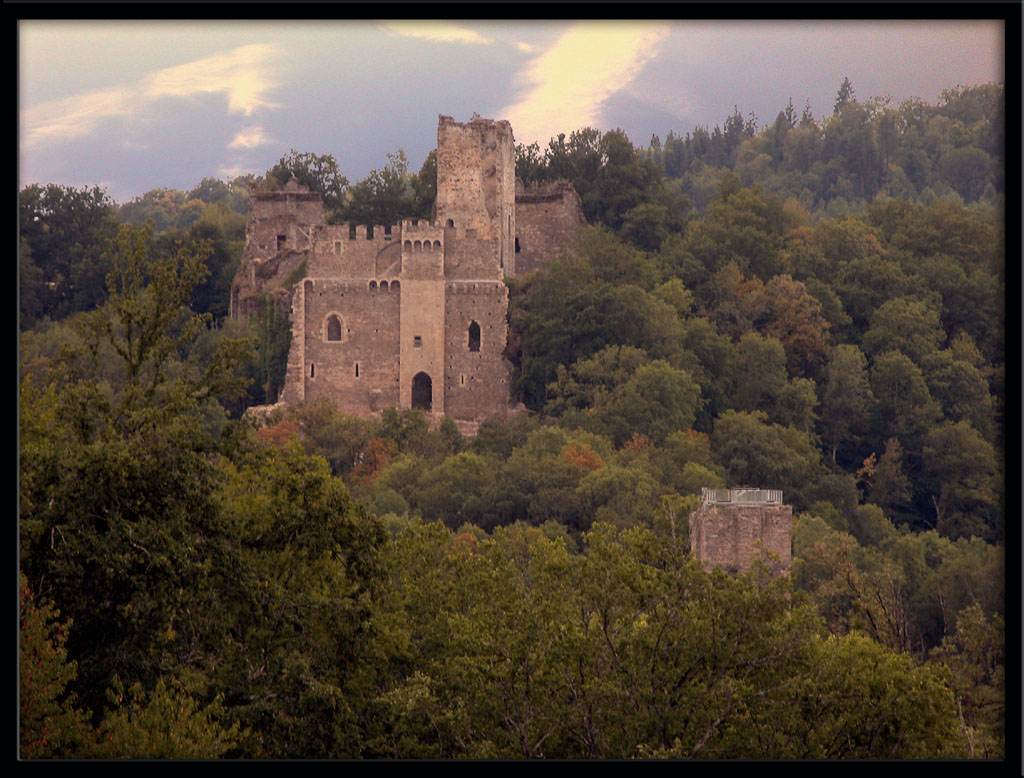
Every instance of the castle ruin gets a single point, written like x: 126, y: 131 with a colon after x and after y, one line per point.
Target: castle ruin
x: 733, y: 527
x: 412, y: 315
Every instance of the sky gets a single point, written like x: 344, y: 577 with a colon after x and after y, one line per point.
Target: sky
x: 134, y: 106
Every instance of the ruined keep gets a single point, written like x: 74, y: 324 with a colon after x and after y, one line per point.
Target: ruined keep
x: 733, y: 527
x: 411, y: 315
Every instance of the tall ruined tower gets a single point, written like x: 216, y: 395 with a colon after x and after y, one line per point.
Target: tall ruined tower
x: 476, y: 182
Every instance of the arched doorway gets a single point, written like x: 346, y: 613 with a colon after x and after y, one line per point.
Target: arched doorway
x: 422, y: 392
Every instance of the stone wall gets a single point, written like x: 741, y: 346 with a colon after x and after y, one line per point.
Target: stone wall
x: 359, y: 371
x: 547, y: 222
x: 732, y: 536
x: 476, y: 371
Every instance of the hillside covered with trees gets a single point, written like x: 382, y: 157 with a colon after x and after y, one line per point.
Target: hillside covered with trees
x: 812, y: 305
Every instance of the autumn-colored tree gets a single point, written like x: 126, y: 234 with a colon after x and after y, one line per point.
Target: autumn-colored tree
x: 51, y: 725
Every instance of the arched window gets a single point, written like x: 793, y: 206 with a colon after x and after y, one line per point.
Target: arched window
x: 450, y: 223
x: 517, y: 244
x: 383, y: 286
x: 422, y: 392
x: 474, y: 336
x: 333, y: 327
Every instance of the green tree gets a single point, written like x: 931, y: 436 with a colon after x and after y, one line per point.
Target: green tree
x: 65, y: 231
x: 291, y: 643
x: 889, y: 485
x: 424, y: 188
x: 320, y: 173
x: 165, y: 724
x: 903, y: 406
x: 847, y: 399
x: 961, y: 390
x: 754, y: 452
x: 962, y: 480
x: 908, y: 325
x: 384, y: 197
x: 975, y: 656
x: 115, y: 486
x: 912, y: 713
x: 51, y: 726
x: 274, y: 338
x: 760, y: 373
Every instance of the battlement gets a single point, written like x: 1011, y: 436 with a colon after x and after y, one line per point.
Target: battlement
x: 420, y: 227
x: 421, y: 236
x: 339, y: 287
x: 378, y: 233
x: 476, y: 123
x: 476, y: 287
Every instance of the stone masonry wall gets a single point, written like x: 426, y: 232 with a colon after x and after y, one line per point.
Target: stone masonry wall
x: 547, y: 222
x: 358, y: 373
x: 732, y: 536
x: 476, y: 381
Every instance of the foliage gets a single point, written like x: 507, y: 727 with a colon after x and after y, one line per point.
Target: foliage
x: 813, y: 306
x: 63, y: 235
x: 51, y: 726
x: 318, y: 172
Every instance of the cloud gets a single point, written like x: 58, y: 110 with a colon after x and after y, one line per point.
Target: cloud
x: 249, y: 138
x: 567, y: 84
x: 242, y: 74
x: 73, y: 116
x: 443, y: 32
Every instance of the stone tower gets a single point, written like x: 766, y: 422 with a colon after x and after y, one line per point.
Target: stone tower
x: 733, y: 527
x: 476, y: 182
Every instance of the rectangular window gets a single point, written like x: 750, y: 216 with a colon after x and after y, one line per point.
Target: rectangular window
x: 417, y: 341
x: 337, y: 247
x: 357, y: 370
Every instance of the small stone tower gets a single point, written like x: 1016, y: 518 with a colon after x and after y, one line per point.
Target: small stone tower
x: 733, y: 527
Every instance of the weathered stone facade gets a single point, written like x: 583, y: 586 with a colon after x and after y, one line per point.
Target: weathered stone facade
x: 547, y: 221
x: 733, y: 527
x: 411, y: 315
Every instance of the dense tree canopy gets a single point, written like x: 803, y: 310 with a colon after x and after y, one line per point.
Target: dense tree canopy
x: 814, y: 306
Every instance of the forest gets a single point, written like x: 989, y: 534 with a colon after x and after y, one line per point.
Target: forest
x: 813, y: 304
